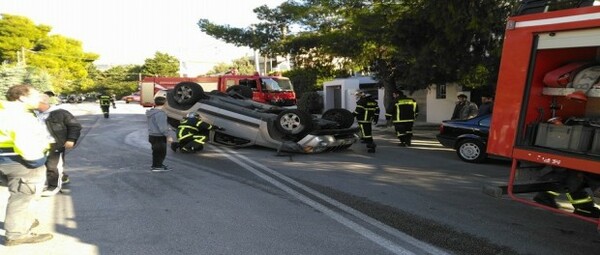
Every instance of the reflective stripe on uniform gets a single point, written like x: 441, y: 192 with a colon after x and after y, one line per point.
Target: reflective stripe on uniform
x: 587, y: 199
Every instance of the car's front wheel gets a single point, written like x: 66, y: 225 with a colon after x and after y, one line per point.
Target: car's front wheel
x: 471, y: 150
x: 293, y: 122
x: 187, y: 93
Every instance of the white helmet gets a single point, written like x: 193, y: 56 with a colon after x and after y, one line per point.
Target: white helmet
x: 192, y: 115
x: 359, y: 94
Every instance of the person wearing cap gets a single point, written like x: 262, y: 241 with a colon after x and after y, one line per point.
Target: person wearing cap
x: 464, y: 109
x: 366, y: 112
x: 402, y: 112
x: 64, y: 130
x: 192, y: 133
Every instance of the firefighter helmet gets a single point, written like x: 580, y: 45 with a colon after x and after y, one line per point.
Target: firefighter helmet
x: 359, y: 94
x: 191, y: 115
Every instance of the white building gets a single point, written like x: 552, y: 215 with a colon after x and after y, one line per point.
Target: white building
x: 441, y: 100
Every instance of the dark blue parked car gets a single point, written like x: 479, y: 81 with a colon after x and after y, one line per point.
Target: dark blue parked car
x: 467, y: 137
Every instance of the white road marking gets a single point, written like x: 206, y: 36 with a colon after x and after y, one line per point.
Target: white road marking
x: 389, y: 245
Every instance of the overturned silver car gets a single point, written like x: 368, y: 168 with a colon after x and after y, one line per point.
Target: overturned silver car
x: 246, y: 122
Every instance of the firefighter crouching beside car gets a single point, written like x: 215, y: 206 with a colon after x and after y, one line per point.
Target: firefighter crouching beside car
x: 366, y: 112
x: 402, y: 112
x: 23, y: 146
x: 192, y: 133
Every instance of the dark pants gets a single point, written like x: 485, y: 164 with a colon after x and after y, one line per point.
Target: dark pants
x: 366, y: 132
x: 159, y: 149
x: 25, y: 187
x: 404, y: 131
x: 105, y: 110
x: 55, y: 166
x: 187, y: 145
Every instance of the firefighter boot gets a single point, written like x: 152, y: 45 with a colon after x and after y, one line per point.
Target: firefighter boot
x: 546, y: 198
x: 587, y: 209
x: 174, y: 146
x: 583, y: 204
x: 371, y: 147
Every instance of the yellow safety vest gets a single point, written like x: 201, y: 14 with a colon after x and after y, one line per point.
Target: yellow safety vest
x: 21, y: 132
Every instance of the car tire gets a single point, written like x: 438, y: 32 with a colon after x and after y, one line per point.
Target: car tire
x: 471, y: 150
x: 343, y: 117
x: 187, y: 93
x: 293, y: 122
x: 239, y: 91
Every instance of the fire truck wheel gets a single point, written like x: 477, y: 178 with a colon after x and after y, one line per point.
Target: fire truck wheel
x: 343, y: 117
x: 293, y: 122
x: 187, y: 93
x: 471, y: 150
x: 238, y: 91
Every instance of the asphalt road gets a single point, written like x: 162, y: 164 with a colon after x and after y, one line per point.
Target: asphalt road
x: 416, y: 200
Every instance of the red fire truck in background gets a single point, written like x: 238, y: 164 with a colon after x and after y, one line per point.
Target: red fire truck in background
x: 546, y: 115
x: 275, y: 90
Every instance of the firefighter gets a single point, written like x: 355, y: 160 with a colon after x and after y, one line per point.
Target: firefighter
x: 105, y: 102
x: 402, y: 112
x: 366, y: 112
x: 192, y: 133
x: 23, y: 145
x: 573, y: 184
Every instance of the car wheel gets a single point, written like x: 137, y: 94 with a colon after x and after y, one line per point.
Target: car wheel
x: 471, y: 150
x: 186, y: 93
x: 293, y: 122
x: 238, y: 91
x: 343, y: 117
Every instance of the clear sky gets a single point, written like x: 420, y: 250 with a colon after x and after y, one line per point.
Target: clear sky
x: 129, y: 31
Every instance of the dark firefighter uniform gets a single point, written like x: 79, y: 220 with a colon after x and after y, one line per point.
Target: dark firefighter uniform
x: 105, y: 104
x: 574, y: 186
x: 191, y: 134
x: 402, y: 112
x: 366, y: 112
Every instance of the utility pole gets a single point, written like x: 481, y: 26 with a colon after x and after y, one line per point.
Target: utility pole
x: 256, y: 63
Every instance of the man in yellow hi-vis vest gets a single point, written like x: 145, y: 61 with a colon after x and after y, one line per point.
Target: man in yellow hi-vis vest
x: 23, y: 146
x: 402, y: 112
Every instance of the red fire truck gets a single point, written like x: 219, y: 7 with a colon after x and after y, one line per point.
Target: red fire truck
x: 547, y: 106
x: 275, y: 90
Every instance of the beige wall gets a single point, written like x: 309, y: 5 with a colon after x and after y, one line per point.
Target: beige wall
x: 441, y: 109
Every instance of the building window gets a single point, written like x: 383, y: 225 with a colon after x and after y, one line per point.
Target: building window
x: 440, y: 91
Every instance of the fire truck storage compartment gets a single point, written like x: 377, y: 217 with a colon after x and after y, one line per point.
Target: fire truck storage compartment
x: 569, y: 138
x: 595, y: 150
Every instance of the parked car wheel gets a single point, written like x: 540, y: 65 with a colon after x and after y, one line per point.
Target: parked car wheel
x: 471, y: 150
x: 186, y: 93
x: 238, y: 91
x: 293, y: 122
x: 343, y: 117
